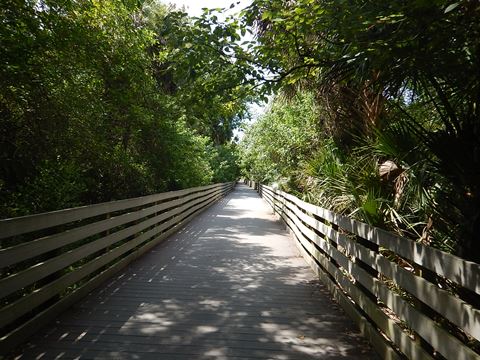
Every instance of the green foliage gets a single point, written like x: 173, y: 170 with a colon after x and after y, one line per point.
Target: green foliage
x: 378, y: 68
x: 276, y: 143
x: 196, y: 66
x: 57, y: 185
x: 104, y: 100
x: 224, y: 161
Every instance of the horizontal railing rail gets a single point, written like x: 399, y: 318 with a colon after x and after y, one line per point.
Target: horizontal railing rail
x: 51, y: 260
x: 409, y: 299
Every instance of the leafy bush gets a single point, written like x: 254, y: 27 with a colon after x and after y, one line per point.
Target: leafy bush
x: 108, y: 100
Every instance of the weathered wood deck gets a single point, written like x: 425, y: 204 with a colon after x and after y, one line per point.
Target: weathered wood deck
x: 229, y: 285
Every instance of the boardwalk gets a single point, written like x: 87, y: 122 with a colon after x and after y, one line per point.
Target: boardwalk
x: 229, y: 285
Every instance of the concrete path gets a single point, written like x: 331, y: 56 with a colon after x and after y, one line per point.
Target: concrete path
x: 229, y: 285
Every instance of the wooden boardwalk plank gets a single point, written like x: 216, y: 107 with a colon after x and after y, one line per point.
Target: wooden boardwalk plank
x: 229, y: 285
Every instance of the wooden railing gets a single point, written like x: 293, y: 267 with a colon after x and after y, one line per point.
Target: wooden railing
x: 252, y: 184
x: 410, y: 300
x: 49, y: 261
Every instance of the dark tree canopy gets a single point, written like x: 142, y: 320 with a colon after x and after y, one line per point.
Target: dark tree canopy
x: 401, y: 78
x: 107, y: 100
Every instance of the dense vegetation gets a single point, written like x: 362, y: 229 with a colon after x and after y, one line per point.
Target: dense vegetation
x: 101, y: 100
x: 376, y: 114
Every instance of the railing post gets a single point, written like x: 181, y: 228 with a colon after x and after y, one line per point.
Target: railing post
x: 275, y: 188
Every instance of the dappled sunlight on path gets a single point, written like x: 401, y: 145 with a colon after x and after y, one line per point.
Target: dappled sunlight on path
x: 228, y: 285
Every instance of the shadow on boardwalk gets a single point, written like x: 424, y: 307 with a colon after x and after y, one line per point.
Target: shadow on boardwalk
x: 227, y: 286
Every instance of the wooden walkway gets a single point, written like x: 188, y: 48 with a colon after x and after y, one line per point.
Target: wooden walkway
x: 229, y: 285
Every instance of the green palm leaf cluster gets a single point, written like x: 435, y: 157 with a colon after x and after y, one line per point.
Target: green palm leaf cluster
x: 397, y: 87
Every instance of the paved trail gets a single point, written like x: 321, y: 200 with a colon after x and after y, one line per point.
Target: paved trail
x: 229, y: 285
